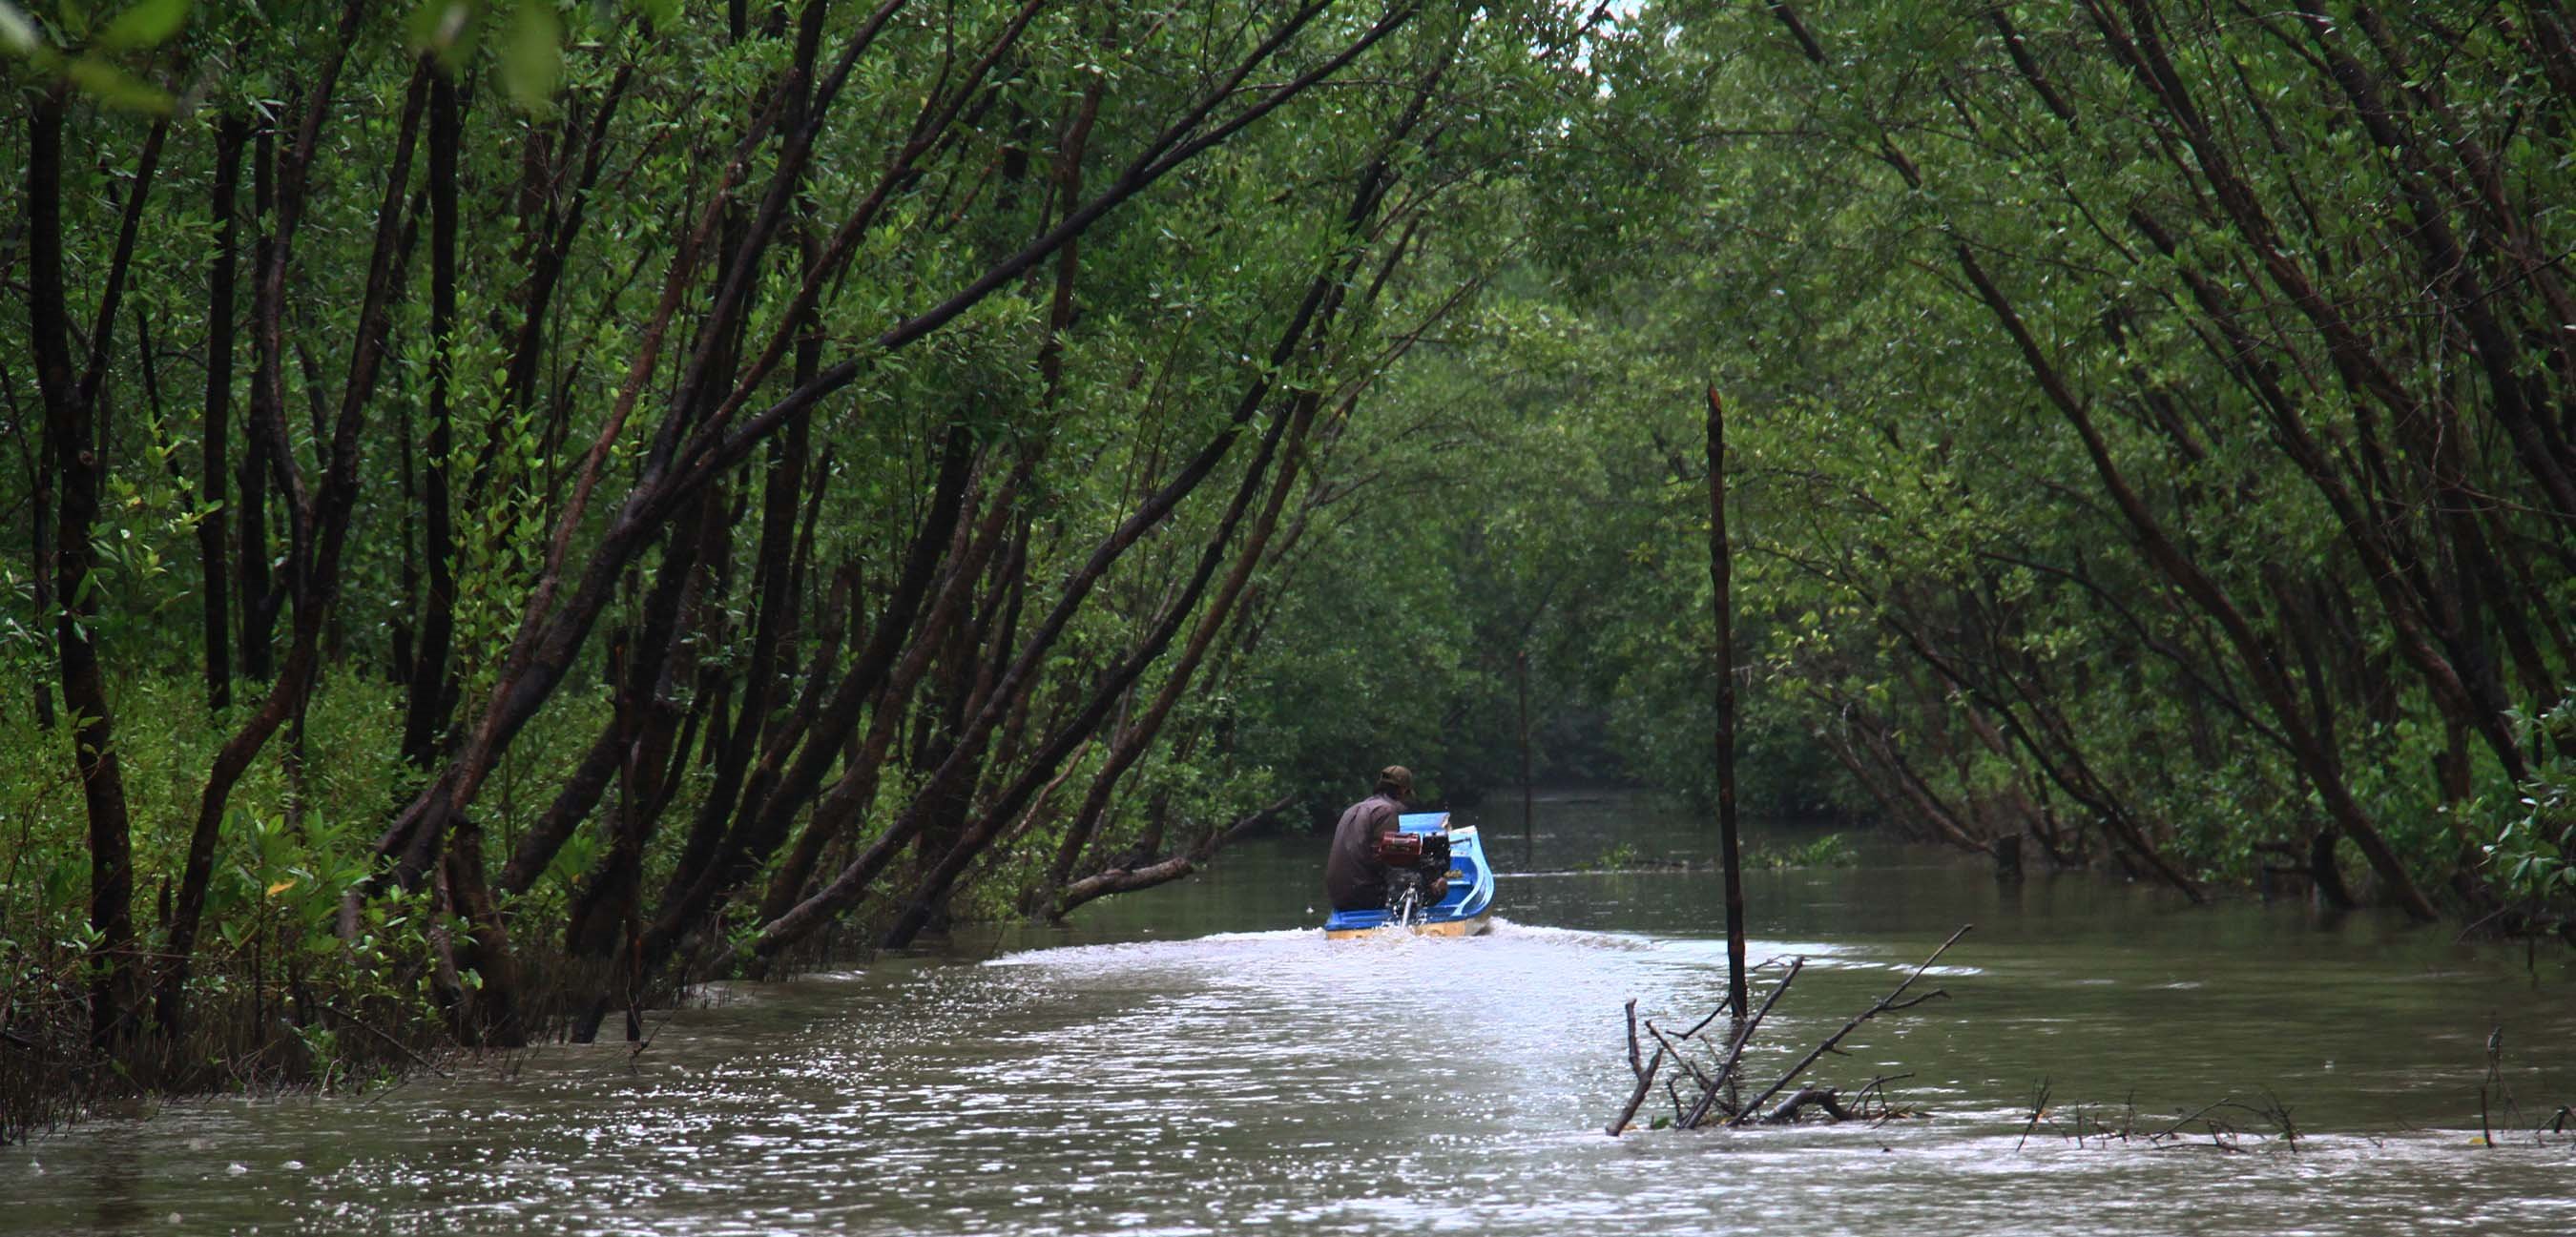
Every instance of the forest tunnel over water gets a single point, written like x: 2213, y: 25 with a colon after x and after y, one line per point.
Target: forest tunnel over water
x: 520, y: 509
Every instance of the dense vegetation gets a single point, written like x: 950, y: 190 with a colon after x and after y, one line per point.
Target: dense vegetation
x: 2161, y: 416
x: 519, y: 504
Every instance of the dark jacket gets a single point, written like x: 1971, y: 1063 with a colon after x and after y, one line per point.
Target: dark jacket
x: 1353, y: 878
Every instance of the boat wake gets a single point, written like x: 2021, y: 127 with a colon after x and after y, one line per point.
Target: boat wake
x: 1292, y: 943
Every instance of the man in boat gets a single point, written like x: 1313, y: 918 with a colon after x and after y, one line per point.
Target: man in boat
x: 1354, y: 878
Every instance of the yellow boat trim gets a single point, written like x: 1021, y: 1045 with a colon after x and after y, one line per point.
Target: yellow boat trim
x: 1477, y: 926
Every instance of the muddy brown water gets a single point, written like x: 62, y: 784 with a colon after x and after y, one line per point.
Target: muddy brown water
x: 1197, y: 1059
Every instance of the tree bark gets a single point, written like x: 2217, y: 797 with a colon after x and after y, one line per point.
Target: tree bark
x: 431, y: 687
x: 214, y: 572
x: 1722, y: 602
x: 75, y: 442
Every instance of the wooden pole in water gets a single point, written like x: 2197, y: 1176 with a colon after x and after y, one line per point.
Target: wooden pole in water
x: 1724, y: 602
x: 1529, y: 812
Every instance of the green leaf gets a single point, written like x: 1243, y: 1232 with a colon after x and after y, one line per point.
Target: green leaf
x: 117, y: 88
x: 447, y: 29
x: 18, y: 32
x: 665, y: 13
x: 533, y: 58
x: 149, y: 23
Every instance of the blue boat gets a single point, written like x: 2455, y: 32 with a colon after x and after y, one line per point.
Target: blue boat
x: 1465, y: 910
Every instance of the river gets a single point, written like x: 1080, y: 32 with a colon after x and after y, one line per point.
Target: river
x: 1197, y: 1059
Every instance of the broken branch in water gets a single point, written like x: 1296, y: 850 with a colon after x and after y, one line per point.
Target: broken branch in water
x: 2038, y: 1108
x: 1718, y: 1097
x: 1645, y: 1075
x: 1818, y: 1097
x: 1681, y: 1058
x: 2087, y: 1129
x: 1742, y: 1035
x: 1885, y: 1003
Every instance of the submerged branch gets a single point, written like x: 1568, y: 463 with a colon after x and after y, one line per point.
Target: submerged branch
x: 1717, y: 1091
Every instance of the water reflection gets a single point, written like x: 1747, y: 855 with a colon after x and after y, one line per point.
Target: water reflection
x: 119, y: 1205
x: 1198, y: 1060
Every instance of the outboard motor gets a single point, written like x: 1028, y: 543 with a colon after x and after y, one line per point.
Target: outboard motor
x: 1416, y: 864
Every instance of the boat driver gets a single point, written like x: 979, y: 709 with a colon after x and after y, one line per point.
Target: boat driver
x: 1353, y: 877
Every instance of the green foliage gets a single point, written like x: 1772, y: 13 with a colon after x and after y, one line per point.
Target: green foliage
x: 1932, y: 571
x: 1617, y: 857
x: 1178, y: 298
x: 2528, y: 856
x: 1831, y: 850
x: 144, y: 24
x: 272, y: 954
x: 85, y: 51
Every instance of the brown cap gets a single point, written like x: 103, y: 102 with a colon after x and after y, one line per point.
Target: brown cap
x: 1396, y: 778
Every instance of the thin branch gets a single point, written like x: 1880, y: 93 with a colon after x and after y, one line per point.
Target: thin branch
x: 1884, y: 1004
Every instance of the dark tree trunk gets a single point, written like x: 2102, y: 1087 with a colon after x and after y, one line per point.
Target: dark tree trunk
x: 953, y: 778
x: 260, y: 597
x: 772, y: 801
x: 77, y: 445
x: 431, y: 693
x: 1130, y: 744
x: 322, y: 519
x: 1720, y: 571
x: 214, y: 568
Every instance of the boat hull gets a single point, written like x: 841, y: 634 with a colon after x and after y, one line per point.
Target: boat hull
x: 1477, y: 926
